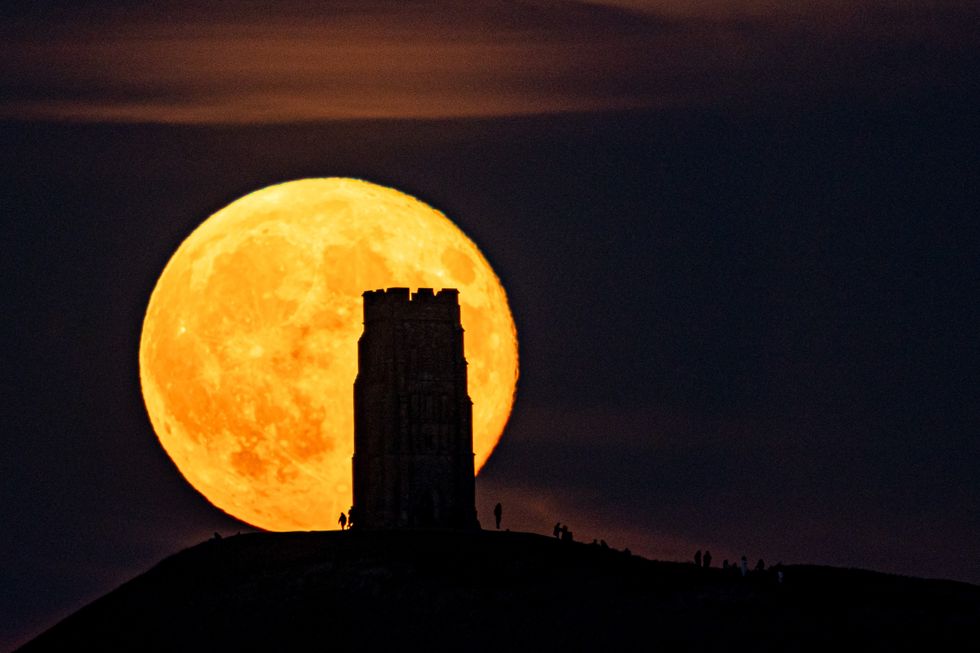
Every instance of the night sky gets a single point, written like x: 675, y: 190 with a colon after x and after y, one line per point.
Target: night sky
x: 740, y: 244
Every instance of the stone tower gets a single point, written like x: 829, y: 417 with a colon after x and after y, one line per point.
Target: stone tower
x: 413, y: 436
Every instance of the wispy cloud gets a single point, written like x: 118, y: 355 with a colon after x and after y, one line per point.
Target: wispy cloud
x: 171, y: 62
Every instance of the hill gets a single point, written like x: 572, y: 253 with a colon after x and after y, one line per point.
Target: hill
x: 502, y: 591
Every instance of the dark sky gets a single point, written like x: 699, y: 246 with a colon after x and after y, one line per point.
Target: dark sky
x: 741, y: 247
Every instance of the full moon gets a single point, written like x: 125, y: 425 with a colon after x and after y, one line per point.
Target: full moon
x: 249, y: 346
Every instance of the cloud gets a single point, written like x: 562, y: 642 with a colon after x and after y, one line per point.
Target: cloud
x: 176, y: 63
x: 426, y: 59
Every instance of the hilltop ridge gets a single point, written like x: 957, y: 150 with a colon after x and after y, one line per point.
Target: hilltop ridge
x: 499, y: 590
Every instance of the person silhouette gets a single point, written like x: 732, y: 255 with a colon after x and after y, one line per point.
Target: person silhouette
x: 760, y: 566
x: 342, y: 521
x: 707, y: 559
x: 744, y: 567
x: 557, y: 530
x: 498, y: 511
x: 697, y: 558
x: 350, y: 518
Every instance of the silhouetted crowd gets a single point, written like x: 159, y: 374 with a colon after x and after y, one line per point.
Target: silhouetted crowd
x: 346, y: 521
x: 741, y: 568
x: 562, y: 533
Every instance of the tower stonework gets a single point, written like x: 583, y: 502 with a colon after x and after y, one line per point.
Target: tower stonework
x: 413, y: 435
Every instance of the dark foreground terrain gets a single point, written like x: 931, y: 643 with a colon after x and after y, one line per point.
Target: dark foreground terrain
x: 501, y: 591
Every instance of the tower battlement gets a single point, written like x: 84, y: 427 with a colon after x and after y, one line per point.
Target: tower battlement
x: 403, y: 295
x: 423, y: 304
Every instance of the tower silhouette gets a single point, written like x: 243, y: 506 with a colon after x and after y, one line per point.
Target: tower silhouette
x: 413, y: 435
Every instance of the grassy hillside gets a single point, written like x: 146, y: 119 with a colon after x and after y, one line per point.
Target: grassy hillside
x: 500, y: 591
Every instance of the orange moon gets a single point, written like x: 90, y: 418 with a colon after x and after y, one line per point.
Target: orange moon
x: 249, y: 346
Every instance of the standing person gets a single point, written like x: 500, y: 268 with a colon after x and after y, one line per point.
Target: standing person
x: 498, y: 511
x: 697, y: 558
x: 707, y: 559
x: 557, y: 530
x: 744, y: 566
x: 342, y: 521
